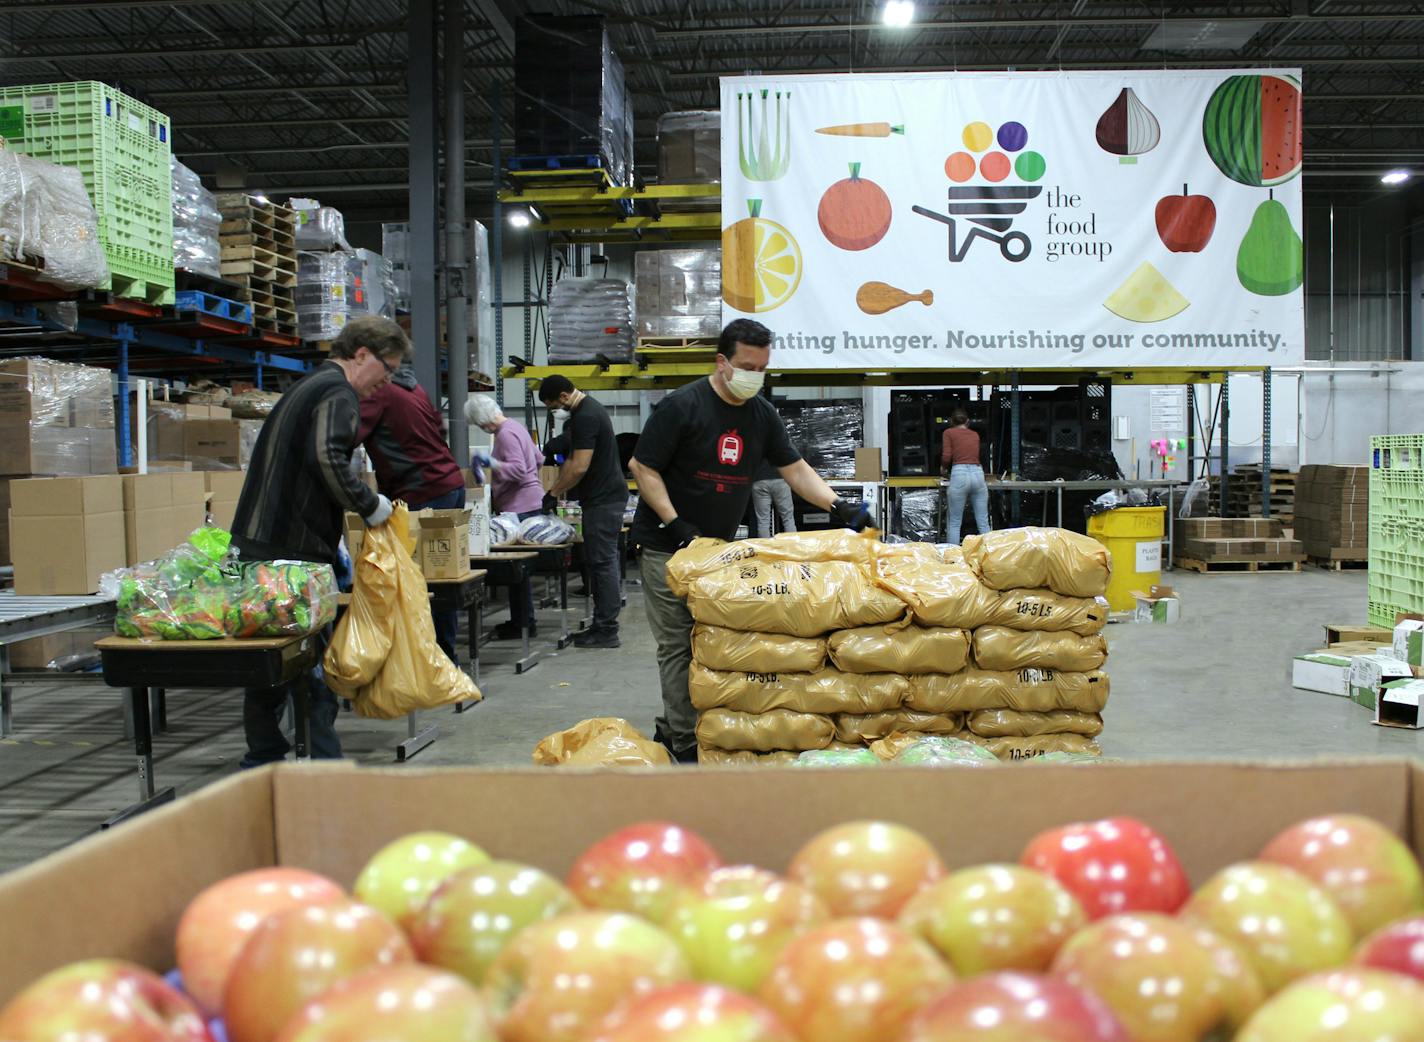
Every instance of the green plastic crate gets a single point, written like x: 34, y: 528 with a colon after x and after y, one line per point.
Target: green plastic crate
x: 1397, y: 452
x: 122, y: 148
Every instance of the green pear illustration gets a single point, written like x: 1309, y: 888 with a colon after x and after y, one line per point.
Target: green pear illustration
x: 1271, y: 261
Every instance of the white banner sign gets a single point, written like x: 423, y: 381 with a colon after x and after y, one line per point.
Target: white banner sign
x: 1000, y: 220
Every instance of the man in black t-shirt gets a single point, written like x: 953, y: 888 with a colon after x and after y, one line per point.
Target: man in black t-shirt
x: 695, y: 463
x: 592, y: 475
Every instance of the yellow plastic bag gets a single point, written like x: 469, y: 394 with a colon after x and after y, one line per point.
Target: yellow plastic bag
x: 1026, y: 690
x: 383, y: 655
x: 779, y: 729
x: 1010, y: 723
x: 1038, y: 745
x: 705, y: 556
x: 802, y: 598
x: 899, y: 648
x: 938, y: 593
x: 825, y: 691
x: 742, y: 757
x: 862, y: 730
x: 1046, y: 610
x: 999, y: 647
x: 1027, y: 558
x: 605, y: 741
x: 717, y: 647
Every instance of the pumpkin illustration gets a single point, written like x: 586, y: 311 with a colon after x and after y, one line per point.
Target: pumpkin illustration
x: 854, y: 213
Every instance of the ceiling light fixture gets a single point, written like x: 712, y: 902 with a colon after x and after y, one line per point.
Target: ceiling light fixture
x: 1395, y: 177
x: 898, y: 13
x: 518, y: 219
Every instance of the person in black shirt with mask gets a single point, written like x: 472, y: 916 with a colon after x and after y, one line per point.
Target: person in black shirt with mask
x: 695, y: 463
x: 593, y: 475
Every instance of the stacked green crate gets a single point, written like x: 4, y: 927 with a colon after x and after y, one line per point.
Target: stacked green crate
x: 1396, y: 526
x: 122, y: 147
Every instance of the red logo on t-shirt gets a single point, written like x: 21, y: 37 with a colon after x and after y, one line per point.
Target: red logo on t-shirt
x: 729, y: 449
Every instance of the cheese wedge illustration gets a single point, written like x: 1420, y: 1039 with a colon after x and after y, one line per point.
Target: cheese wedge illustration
x: 1146, y: 296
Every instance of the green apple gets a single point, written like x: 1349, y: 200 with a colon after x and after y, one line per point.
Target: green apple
x: 404, y: 873
x: 1352, y: 1005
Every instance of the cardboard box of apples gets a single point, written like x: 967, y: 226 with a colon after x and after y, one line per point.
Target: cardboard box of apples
x: 1113, y: 903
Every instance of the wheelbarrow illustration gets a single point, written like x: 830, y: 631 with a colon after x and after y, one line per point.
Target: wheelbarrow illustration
x: 991, y: 209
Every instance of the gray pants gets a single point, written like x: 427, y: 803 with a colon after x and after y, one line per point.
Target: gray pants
x: 671, y: 624
x: 601, y: 524
x: 764, y: 494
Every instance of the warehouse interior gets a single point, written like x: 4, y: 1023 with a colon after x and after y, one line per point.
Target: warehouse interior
x: 1223, y: 517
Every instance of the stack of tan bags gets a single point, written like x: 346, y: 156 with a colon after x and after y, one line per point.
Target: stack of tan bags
x: 835, y: 640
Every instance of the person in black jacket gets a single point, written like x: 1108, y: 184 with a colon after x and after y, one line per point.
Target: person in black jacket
x: 299, y: 482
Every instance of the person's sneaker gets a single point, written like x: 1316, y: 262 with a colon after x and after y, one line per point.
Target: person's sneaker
x: 511, y: 631
x: 597, y: 639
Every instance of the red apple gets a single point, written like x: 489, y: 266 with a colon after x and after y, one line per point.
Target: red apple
x: 1016, y: 1007
x: 1353, y: 1005
x: 217, y: 923
x: 694, y: 1013
x: 1167, y: 980
x: 1185, y: 222
x: 995, y: 917
x: 1285, y: 925
x: 296, y: 955
x: 102, y: 1000
x: 1370, y: 873
x: 1112, y: 866
x: 557, y: 980
x: 733, y: 927
x: 642, y: 869
x: 866, y: 868
x: 394, y: 1002
x: 1398, y: 947
x: 402, y: 874
x: 474, y: 914
x: 853, y: 980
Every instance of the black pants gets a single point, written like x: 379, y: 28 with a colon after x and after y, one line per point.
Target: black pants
x: 447, y: 623
x: 262, y: 716
x: 601, y: 524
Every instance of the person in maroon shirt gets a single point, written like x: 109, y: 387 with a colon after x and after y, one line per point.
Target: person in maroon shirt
x: 959, y: 459
x: 405, y: 439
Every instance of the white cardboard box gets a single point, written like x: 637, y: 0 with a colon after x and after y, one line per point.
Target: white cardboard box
x: 477, y: 500
x: 1370, y: 673
x: 1323, y: 672
x: 1398, y: 704
x: 1409, y: 642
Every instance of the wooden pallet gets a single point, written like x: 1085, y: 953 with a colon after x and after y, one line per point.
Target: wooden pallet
x: 1241, y: 564
x: 1336, y: 564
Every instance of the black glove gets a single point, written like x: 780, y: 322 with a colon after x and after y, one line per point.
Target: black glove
x: 856, y: 516
x: 682, y: 532
x: 549, y: 505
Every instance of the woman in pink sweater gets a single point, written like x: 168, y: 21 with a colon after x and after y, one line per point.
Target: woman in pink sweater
x: 512, y: 465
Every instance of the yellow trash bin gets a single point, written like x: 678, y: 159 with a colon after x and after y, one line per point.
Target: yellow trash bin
x: 1133, y: 536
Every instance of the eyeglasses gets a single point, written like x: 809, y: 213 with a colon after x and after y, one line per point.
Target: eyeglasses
x: 390, y: 369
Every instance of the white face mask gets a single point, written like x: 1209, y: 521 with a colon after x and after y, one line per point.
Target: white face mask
x: 744, y: 384
x: 561, y: 415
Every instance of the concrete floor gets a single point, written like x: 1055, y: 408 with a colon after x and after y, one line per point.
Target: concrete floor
x: 1217, y: 684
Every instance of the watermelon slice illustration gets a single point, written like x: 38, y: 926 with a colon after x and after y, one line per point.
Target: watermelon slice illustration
x: 1252, y: 129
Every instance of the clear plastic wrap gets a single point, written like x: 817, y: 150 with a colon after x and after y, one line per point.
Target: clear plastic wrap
x: 826, y: 435
x: 588, y: 318
x: 252, y: 405
x: 605, y: 741
x: 825, y: 691
x: 1027, y: 558
x: 690, y: 147
x: 940, y: 751
x: 281, y: 599
x: 1028, y: 690
x: 1002, y: 648
x: 46, y: 217
x: 899, y: 649
x: 678, y: 293
x: 319, y: 227
x: 544, y: 530
x: 183, y: 595
x: 719, y: 648
x: 870, y: 727
x: 802, y: 598
x: 375, y: 287
x: 778, y: 729
x: 55, y: 418
x: 325, y: 287
x: 837, y: 758
x: 1010, y: 723
x: 920, y: 514
x: 195, y: 224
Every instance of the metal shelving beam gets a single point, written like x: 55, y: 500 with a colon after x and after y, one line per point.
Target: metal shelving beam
x: 597, y: 194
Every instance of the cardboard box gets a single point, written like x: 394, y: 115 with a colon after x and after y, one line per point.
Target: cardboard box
x: 547, y: 477
x: 210, y: 443
x: 160, y: 512
x: 1159, y: 604
x: 1398, y: 704
x: 4, y: 520
x: 65, y: 533
x: 59, y: 451
x: 39, y: 652
x: 1408, y: 641
x: 868, y: 466
x: 223, y: 489
x: 332, y: 817
x: 477, y: 500
x: 1336, y: 632
x: 443, y: 549
x: 1370, y: 673
x: 1322, y: 671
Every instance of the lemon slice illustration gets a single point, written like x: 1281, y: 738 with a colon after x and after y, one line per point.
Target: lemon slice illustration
x: 761, y: 263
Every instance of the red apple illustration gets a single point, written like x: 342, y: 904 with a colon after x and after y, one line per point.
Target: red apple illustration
x: 1185, y: 222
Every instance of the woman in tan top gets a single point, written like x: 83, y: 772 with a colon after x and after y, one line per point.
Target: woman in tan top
x: 960, y: 460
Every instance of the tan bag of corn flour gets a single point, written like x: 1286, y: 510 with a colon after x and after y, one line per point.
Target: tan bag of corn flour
x: 764, y: 732
x: 899, y: 648
x: 825, y: 691
x: 1029, y: 558
x: 717, y: 647
x: 999, y: 647
x: 1025, y: 690
x: 1007, y: 723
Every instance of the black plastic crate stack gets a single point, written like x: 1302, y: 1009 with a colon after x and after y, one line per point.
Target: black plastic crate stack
x: 570, y: 96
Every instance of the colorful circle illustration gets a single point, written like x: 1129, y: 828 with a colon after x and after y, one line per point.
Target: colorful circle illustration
x: 1012, y: 136
x: 978, y: 136
x: 1030, y: 166
x: 995, y: 166
x: 959, y: 167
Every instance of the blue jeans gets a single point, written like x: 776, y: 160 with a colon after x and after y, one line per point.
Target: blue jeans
x: 526, y: 592
x: 447, y: 623
x: 262, y: 710
x: 966, y: 483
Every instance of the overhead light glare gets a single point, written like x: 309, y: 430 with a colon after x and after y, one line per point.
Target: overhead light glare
x: 898, y: 13
x: 519, y: 219
x: 1395, y: 177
